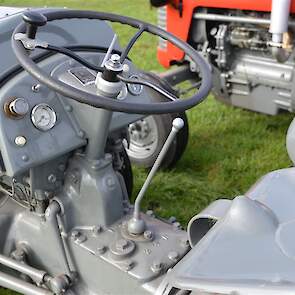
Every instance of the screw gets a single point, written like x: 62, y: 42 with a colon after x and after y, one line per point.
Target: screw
x: 122, y: 244
x: 157, y: 266
x: 173, y: 255
x: 148, y: 234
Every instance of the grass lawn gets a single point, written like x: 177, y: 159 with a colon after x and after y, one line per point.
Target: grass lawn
x: 229, y: 148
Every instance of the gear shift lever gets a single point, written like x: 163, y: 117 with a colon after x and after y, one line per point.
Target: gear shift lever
x: 136, y: 225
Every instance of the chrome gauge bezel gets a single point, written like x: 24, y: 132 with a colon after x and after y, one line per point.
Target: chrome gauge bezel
x: 50, y: 110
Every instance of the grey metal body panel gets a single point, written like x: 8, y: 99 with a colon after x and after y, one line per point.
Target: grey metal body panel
x: 250, y: 250
x: 67, y: 134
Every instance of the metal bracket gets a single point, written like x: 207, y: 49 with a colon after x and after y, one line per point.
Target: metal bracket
x: 28, y: 43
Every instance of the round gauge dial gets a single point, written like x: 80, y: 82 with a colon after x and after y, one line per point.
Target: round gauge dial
x: 43, y: 117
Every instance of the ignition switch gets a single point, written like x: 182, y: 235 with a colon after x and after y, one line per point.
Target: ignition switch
x: 17, y: 107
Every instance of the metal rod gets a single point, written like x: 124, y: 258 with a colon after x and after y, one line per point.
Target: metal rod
x: 15, y: 284
x: 52, y: 212
x: 237, y: 19
x: 35, y: 274
x: 110, y: 50
x: 136, y: 225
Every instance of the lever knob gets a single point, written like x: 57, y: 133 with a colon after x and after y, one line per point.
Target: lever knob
x: 33, y: 21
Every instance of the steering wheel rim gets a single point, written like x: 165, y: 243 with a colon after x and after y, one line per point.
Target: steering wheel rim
x: 100, y: 101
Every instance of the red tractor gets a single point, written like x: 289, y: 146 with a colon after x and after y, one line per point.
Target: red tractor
x: 249, y: 44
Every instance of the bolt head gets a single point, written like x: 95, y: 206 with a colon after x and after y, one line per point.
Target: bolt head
x: 122, y: 244
x: 150, y: 213
x: 75, y: 234
x: 101, y: 249
x: 97, y: 229
x: 173, y: 255
x: 81, y: 239
x: 184, y: 243
x: 157, y: 266
x: 148, y: 235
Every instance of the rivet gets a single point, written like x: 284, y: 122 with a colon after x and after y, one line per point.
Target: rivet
x: 25, y: 158
x: 81, y: 133
x: 68, y: 108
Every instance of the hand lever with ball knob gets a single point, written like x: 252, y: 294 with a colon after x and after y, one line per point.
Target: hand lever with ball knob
x: 33, y: 21
x: 136, y: 224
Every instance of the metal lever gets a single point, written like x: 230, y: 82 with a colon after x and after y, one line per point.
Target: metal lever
x: 136, y: 225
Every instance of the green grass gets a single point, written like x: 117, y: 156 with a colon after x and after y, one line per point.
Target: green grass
x: 229, y: 149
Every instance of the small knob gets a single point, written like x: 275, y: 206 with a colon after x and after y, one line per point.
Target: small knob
x: 19, y: 107
x: 33, y: 20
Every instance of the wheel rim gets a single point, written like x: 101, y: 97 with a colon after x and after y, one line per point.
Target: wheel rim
x: 144, y: 138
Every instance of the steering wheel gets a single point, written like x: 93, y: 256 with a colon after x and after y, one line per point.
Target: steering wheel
x: 23, y: 42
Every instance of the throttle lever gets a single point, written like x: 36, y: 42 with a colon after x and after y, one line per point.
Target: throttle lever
x: 136, y: 225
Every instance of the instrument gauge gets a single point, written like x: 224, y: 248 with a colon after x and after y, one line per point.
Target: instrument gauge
x: 43, y: 117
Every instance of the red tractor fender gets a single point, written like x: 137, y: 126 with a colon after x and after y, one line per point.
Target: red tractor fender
x: 179, y: 25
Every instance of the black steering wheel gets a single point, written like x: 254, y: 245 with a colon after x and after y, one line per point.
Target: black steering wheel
x: 23, y: 41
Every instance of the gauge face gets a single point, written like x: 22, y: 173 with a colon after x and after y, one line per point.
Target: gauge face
x: 135, y: 89
x: 43, y: 117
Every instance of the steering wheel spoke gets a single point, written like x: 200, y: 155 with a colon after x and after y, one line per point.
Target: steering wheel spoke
x: 131, y: 43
